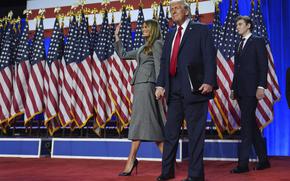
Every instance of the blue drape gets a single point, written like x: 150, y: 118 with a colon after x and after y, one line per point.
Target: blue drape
x: 277, y: 19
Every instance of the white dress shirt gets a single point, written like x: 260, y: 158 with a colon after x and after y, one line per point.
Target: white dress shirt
x: 184, y: 26
x: 246, y: 39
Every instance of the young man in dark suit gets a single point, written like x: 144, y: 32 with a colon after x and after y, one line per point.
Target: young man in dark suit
x: 248, y: 87
x: 190, y: 44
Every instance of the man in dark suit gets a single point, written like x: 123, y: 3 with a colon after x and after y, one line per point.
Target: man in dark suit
x: 288, y: 86
x: 190, y: 44
x: 249, y: 84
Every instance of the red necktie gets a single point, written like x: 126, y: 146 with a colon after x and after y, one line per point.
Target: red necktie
x: 174, y: 55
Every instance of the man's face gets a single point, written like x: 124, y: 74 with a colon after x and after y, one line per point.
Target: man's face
x: 178, y: 13
x: 242, y: 27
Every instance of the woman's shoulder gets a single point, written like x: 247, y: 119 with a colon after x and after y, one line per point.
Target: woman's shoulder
x: 158, y: 43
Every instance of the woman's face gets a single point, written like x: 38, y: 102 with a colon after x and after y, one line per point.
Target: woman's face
x: 145, y: 31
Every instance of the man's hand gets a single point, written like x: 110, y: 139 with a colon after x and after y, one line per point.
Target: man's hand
x: 159, y: 92
x: 232, y: 95
x: 205, y: 88
x: 260, y: 94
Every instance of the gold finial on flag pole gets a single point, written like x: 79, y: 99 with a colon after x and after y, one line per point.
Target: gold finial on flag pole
x: 154, y: 6
x: 166, y: 2
x: 82, y: 3
x: 10, y: 14
x: 216, y: 2
x: 113, y: 10
x: 129, y: 8
x: 94, y: 12
x: 141, y: 4
x: 57, y: 10
x: 105, y: 2
x: 41, y: 13
x: 27, y: 12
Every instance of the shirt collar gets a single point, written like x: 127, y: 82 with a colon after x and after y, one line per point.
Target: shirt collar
x: 185, y: 24
x: 248, y: 36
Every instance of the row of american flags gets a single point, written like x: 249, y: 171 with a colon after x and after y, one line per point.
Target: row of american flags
x: 82, y: 77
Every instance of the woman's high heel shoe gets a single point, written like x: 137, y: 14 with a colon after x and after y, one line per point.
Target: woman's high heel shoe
x: 129, y: 173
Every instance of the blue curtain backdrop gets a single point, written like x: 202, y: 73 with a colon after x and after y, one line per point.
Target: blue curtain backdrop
x: 277, y: 19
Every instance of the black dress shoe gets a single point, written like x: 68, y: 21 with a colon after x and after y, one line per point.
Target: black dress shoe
x: 262, y: 165
x: 164, y: 178
x: 239, y: 169
x: 194, y: 179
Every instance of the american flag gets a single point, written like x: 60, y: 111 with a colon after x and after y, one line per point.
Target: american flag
x: 217, y: 27
x: 22, y: 70
x: 113, y: 28
x: 119, y: 75
x: 125, y: 30
x: 6, y: 64
x: 34, y: 96
x: 225, y: 66
x: 104, y: 107
x: 163, y: 22
x: 196, y: 15
x: 16, y: 37
x: 264, y: 111
x: 139, y: 40
x: 213, y: 103
x: 82, y: 87
x: 94, y: 36
x: 67, y: 70
x: 51, y: 81
x: 1, y: 33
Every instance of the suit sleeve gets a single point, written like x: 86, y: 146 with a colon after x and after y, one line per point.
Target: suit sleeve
x: 209, y: 57
x: 262, y: 62
x: 163, y: 71
x: 157, y: 52
x: 130, y: 55
x: 288, y: 87
x: 234, y: 83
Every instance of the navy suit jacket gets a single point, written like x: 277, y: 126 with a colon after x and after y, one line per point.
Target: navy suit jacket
x: 251, y: 67
x: 196, y: 49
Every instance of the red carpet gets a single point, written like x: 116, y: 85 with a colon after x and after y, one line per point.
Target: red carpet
x: 44, y: 169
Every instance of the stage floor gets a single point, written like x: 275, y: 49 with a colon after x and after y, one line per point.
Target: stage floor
x: 46, y: 169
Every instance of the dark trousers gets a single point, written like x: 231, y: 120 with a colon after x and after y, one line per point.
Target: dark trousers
x: 195, y: 115
x: 250, y: 133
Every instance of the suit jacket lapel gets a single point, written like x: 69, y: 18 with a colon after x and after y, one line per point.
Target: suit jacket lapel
x: 249, y: 41
x: 185, y: 36
x: 172, y: 34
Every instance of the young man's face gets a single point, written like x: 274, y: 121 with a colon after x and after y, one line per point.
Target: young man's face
x: 242, y: 27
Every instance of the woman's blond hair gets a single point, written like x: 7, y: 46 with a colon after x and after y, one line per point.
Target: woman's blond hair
x: 154, y: 34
